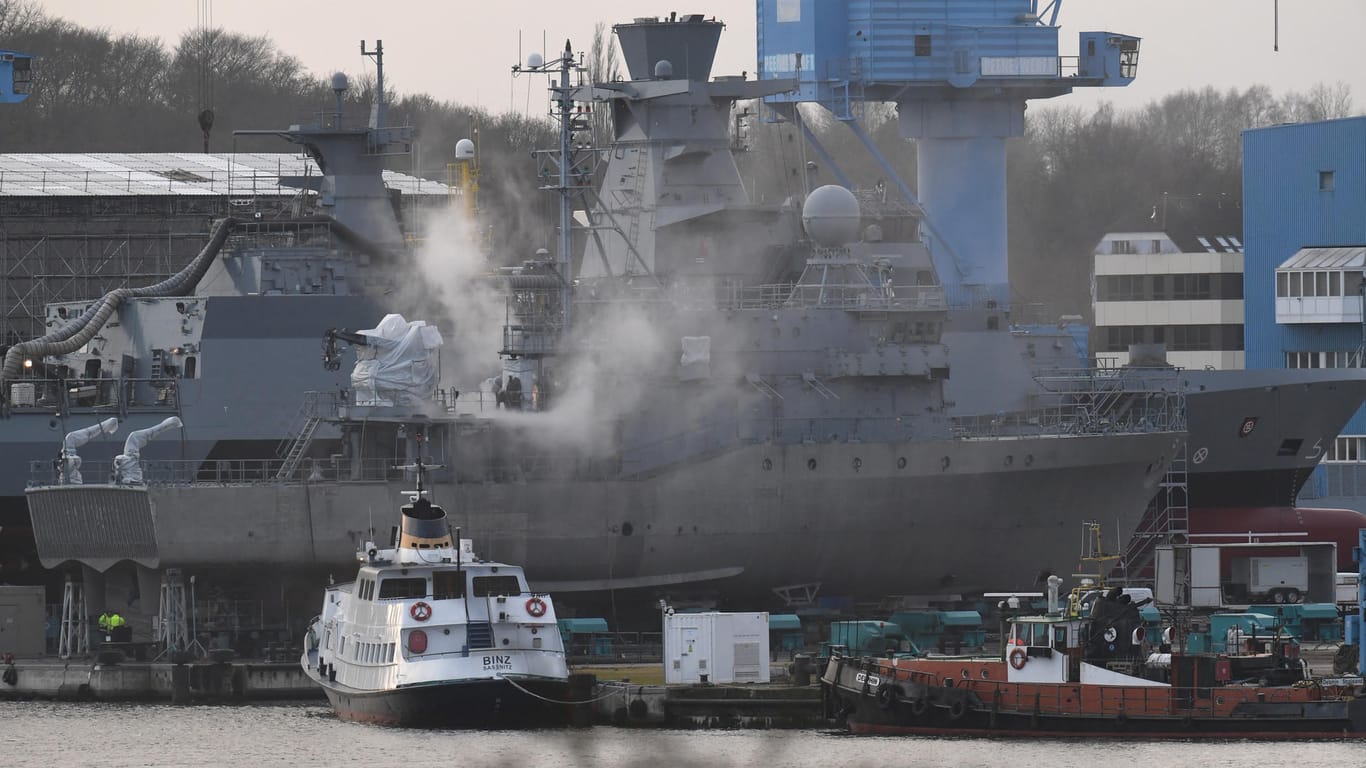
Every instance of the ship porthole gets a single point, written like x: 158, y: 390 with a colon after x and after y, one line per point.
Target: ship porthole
x: 627, y: 529
x: 966, y: 674
x: 768, y: 464
x: 1010, y: 460
x: 985, y: 673
x: 858, y: 463
x: 1029, y: 459
x: 901, y: 462
x: 811, y: 464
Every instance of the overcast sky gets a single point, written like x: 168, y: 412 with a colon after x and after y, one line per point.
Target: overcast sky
x: 462, y: 50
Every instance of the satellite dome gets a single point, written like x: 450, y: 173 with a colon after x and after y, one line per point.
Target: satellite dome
x: 534, y: 61
x: 831, y: 216
x: 339, y: 82
x: 664, y: 69
x: 464, y: 150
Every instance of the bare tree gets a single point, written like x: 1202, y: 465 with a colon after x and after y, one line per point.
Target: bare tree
x: 604, y: 66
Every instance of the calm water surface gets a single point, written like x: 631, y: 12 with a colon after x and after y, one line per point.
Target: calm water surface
x: 52, y: 735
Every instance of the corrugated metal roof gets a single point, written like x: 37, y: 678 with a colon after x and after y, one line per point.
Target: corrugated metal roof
x: 170, y: 173
x: 1327, y: 258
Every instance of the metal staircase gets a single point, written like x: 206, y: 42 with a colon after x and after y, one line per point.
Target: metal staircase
x: 293, y: 451
x: 1167, y: 515
x: 479, y: 634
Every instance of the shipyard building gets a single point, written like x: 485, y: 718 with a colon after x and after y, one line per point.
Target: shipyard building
x: 1305, y: 224
x: 75, y: 226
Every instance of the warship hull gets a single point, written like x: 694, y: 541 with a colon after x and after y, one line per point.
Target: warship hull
x: 867, y: 519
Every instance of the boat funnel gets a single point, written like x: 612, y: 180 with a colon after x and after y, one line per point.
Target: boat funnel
x: 1054, y: 583
x: 424, y: 526
x: 71, y: 463
x: 128, y: 465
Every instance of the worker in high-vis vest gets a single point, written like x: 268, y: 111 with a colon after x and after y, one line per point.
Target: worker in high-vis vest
x: 117, y: 631
x: 104, y: 624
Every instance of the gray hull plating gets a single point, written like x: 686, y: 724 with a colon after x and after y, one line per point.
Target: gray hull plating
x: 961, y: 515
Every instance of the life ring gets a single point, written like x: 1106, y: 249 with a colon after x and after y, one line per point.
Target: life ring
x: 886, y: 696
x: 1018, y: 658
x: 421, y: 611
x: 535, y: 607
x: 957, y: 709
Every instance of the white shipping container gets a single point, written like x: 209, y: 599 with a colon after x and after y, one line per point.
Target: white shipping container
x: 723, y: 647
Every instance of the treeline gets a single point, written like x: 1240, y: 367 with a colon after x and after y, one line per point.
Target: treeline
x: 1074, y: 173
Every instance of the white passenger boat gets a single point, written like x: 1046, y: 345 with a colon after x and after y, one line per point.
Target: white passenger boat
x: 430, y: 635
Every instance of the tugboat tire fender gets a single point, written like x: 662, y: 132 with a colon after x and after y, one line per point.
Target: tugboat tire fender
x: 887, y: 695
x: 920, y: 705
x: 957, y: 709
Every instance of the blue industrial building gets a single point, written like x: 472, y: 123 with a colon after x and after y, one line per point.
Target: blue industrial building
x: 1304, y: 226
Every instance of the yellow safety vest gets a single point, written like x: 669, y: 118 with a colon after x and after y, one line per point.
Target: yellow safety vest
x: 104, y: 621
x: 115, y: 621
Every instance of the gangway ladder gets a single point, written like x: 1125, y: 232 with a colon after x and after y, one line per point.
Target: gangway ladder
x: 1167, y: 516
x: 638, y: 200
x: 173, y: 627
x: 75, y: 635
x: 302, y: 440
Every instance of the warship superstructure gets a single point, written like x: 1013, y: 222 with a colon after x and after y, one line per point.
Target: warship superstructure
x: 709, y: 392
x: 746, y: 395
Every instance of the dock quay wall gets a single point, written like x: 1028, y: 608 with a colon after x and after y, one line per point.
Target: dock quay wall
x: 85, y: 680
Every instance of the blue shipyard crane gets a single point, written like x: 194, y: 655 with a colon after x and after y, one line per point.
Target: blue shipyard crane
x: 960, y: 73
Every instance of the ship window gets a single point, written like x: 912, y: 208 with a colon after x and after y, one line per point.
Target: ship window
x: 488, y: 586
x: 389, y: 656
x: 1282, y: 284
x: 391, y: 588
x: 1326, y: 181
x: 448, y: 585
x: 1334, y: 283
x: 190, y: 365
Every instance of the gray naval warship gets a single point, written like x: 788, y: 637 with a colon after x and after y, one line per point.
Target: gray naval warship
x: 725, y: 394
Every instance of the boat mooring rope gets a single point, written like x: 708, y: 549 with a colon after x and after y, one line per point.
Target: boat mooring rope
x: 622, y: 691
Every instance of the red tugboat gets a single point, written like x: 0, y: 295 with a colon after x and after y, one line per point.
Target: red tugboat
x: 1086, y: 669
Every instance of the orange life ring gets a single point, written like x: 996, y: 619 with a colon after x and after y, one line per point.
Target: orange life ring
x: 535, y: 607
x: 1018, y: 657
x: 421, y: 611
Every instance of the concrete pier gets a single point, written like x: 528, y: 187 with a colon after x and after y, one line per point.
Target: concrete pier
x: 88, y: 680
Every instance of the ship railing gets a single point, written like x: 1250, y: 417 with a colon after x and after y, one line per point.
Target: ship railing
x: 1146, y: 414
x: 94, y: 396
x: 178, y: 472
x: 1130, y: 701
x: 866, y: 297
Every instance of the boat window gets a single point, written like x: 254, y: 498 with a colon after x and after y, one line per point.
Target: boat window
x: 390, y: 588
x: 488, y: 586
x: 448, y: 585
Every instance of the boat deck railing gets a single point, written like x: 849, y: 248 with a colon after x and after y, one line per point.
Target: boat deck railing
x: 1130, y: 701
x: 113, y: 397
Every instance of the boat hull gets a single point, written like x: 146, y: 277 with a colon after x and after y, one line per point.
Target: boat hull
x: 459, y: 704
x: 863, y: 701
x: 924, y: 517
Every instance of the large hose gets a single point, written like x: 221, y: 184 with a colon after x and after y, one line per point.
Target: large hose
x: 76, y: 333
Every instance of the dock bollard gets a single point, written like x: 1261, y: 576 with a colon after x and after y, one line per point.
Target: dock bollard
x: 801, y: 669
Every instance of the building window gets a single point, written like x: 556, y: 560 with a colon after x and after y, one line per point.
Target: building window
x: 1346, y: 448
x: 1332, y: 359
x: 922, y: 45
x: 1157, y: 246
x: 1121, y: 246
x: 1326, y: 181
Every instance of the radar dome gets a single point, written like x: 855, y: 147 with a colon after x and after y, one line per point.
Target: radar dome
x: 664, y: 69
x: 831, y: 216
x: 464, y: 150
x: 339, y: 82
x: 534, y: 61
